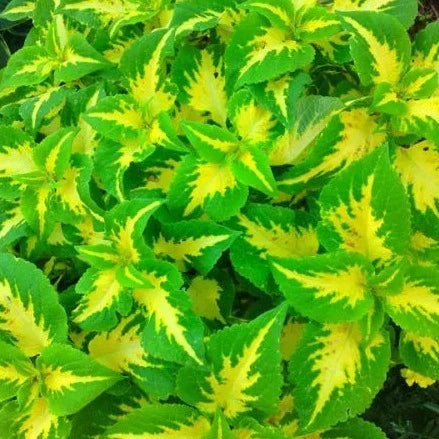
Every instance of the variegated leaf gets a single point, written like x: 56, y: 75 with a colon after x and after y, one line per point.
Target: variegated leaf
x: 143, y: 65
x: 212, y: 143
x: 200, y: 76
x: 116, y: 117
x: 279, y: 12
x: 200, y: 186
x: 107, y: 409
x: 245, y: 371
x: 30, y: 315
x: 12, y: 223
x: 317, y: 23
x: 311, y: 117
x: 418, y: 168
x: 102, y: 297
x: 16, y: 371
x: 195, y: 243
x: 121, y: 350
x: 421, y: 118
x: 426, y: 48
x: 404, y: 10
x: 281, y: 95
x: 172, y: 331
x: 114, y: 14
x: 36, y: 420
x: 125, y: 224
x: 259, y: 52
x: 420, y: 353
x: 347, y: 137
x: 52, y: 155
x: 386, y: 100
x: 212, y: 295
x: 252, y: 168
x: 28, y: 66
x: 220, y: 428
x: 380, y: 46
x: 420, y: 83
x: 416, y: 307
x: 269, y: 231
x: 330, y: 288
x: 71, y: 379
x: 16, y: 159
x: 336, y: 376
x: 16, y: 10
x: 160, y: 421
x: 364, y: 209
x: 252, y: 122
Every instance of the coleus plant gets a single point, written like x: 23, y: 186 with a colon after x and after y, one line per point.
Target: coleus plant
x: 219, y: 218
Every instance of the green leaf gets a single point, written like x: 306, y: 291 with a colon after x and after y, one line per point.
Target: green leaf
x: 336, y: 376
x: 364, y: 209
x: 355, y: 428
x: 16, y: 10
x: 30, y: 315
x: 71, y: 379
x: 244, y: 374
x: 329, y: 288
x: 161, y: 421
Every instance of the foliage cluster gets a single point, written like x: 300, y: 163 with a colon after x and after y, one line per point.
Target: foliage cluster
x: 218, y: 218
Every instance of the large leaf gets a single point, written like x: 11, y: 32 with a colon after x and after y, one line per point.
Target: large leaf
x: 161, y: 422
x: 327, y: 288
x: 200, y: 77
x: 364, y: 209
x: 258, y: 52
x: 172, y: 330
x: 30, y: 315
x: 244, y: 371
x: 335, y: 374
x: 380, y: 46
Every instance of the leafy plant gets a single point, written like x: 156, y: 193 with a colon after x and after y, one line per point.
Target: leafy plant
x: 219, y: 219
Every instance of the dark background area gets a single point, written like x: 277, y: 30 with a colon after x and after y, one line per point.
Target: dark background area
x: 402, y: 412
